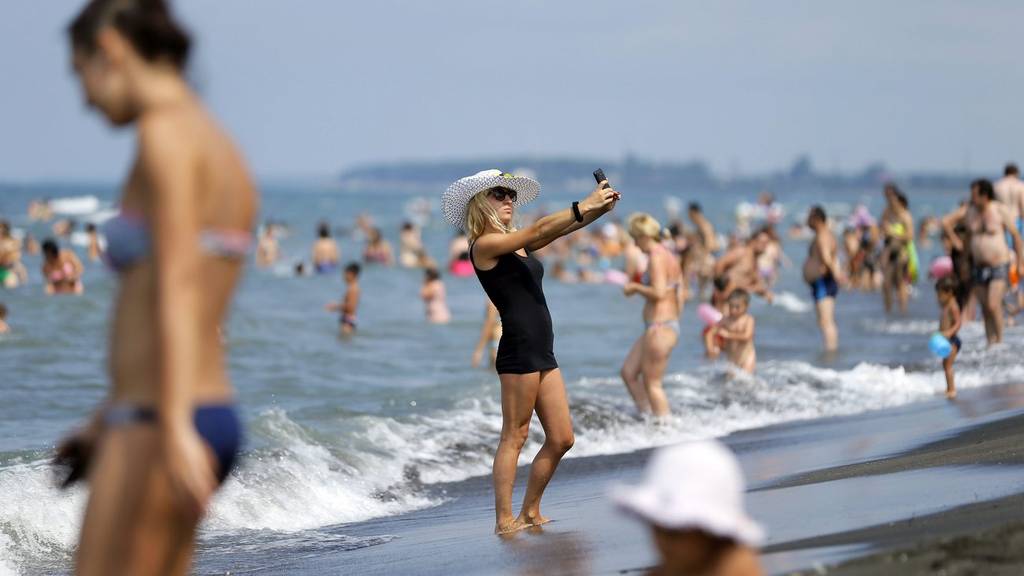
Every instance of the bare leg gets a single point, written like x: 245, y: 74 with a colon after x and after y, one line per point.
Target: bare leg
x: 996, y: 292
x: 114, y: 496
x: 657, y: 349
x: 132, y: 524
x: 518, y: 397
x: 827, y: 322
x: 166, y: 535
x: 553, y: 412
x: 887, y: 281
x: 902, y: 289
x: 947, y: 366
x: 632, y: 376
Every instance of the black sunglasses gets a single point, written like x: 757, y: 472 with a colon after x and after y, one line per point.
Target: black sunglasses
x: 500, y: 194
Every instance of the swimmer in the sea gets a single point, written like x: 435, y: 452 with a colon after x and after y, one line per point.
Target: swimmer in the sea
x: 326, y: 254
x: 349, y: 304
x: 93, y: 250
x: 410, y: 246
x: 267, y: 251
x: 949, y: 325
x: 736, y: 329
x: 62, y: 270
x: 4, y: 328
x: 378, y: 250
x: 433, y: 295
x: 12, y: 271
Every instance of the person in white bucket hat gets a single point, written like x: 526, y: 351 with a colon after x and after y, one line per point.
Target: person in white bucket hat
x: 692, y: 498
x: 484, y: 206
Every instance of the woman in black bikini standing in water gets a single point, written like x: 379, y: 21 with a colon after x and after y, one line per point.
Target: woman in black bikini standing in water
x: 483, y: 205
x: 168, y: 432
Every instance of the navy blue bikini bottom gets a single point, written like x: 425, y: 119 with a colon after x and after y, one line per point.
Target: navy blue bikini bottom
x: 217, y: 424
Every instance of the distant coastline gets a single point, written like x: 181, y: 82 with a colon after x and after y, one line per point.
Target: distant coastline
x: 569, y: 174
x: 574, y: 174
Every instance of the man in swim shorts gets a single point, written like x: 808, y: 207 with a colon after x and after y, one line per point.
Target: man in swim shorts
x: 988, y: 224
x: 821, y: 270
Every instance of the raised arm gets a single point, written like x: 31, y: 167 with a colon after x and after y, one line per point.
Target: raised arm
x: 949, y: 222
x: 170, y: 167
x: 545, y: 230
x: 587, y: 220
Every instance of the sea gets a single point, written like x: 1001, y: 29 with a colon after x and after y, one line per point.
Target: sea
x: 343, y: 431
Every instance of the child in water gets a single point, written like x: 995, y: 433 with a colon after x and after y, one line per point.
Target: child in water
x: 719, y: 301
x: 737, y: 330
x: 949, y: 325
x: 350, y: 302
x: 433, y: 295
x: 3, y: 319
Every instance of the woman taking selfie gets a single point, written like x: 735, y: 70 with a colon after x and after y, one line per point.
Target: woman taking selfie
x: 484, y: 206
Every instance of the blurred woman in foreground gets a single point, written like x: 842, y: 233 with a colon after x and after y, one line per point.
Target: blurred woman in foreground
x: 169, y: 433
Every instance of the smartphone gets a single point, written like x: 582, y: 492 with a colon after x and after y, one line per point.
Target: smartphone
x: 600, y: 177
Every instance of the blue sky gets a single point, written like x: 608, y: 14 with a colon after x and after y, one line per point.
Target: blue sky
x: 309, y: 87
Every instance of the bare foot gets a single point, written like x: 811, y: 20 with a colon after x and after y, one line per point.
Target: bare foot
x: 533, y: 519
x: 951, y: 394
x: 503, y: 528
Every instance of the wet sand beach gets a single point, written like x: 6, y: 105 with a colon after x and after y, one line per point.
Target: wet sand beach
x: 856, y: 489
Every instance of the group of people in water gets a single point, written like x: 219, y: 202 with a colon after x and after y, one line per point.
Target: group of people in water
x: 168, y: 433
x: 61, y: 269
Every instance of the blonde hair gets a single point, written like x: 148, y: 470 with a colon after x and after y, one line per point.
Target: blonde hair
x: 480, y: 214
x: 643, y: 225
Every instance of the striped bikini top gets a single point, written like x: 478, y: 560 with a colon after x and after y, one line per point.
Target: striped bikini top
x: 129, y: 241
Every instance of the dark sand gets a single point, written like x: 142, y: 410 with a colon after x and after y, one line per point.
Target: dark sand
x: 896, y: 491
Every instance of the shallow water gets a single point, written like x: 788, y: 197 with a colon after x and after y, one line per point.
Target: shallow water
x: 340, y: 432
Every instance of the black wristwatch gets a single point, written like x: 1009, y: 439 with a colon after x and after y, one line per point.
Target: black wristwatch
x: 576, y: 212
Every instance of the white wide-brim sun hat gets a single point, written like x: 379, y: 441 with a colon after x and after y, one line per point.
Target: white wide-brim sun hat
x: 695, y: 485
x: 456, y: 198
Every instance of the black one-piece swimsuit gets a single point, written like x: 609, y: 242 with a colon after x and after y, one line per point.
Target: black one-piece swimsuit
x: 527, y: 340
